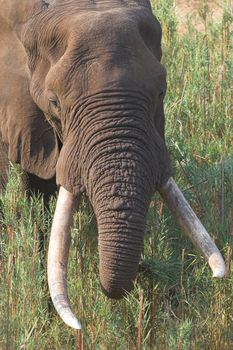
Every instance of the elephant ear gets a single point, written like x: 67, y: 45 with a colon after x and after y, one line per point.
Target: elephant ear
x: 31, y: 140
x: 35, y: 147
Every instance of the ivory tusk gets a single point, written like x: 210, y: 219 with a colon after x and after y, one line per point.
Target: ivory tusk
x: 190, y: 223
x: 58, y: 252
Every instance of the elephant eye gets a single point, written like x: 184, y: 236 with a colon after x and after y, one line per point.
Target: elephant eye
x: 54, y: 105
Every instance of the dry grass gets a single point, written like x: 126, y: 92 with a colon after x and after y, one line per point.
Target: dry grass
x: 192, y: 10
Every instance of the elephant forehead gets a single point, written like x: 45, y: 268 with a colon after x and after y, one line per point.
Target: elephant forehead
x: 127, y: 49
x: 70, y: 26
x: 114, y: 28
x: 89, y: 50
x: 108, y: 23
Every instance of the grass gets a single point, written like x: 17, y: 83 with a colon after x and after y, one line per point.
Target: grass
x: 176, y: 304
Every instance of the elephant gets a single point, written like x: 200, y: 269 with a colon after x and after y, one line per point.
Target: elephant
x: 81, y: 104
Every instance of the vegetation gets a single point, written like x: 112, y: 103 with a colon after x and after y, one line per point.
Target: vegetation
x: 176, y: 304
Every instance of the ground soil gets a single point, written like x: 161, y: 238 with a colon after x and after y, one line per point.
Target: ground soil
x: 189, y: 10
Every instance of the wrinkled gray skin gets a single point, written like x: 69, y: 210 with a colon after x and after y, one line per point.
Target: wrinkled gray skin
x: 88, y: 73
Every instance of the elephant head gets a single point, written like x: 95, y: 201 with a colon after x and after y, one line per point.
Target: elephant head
x: 94, y: 75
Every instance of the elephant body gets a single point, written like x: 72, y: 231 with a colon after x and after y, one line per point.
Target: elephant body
x: 120, y: 63
x: 110, y: 86
x: 81, y: 98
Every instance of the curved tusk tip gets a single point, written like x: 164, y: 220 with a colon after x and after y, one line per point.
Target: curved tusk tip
x: 217, y: 265
x: 219, y: 273
x: 72, y: 322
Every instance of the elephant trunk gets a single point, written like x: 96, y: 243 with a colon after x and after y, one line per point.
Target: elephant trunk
x: 121, y: 232
x: 120, y: 192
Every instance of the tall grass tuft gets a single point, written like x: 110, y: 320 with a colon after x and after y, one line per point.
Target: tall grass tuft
x: 175, y: 304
